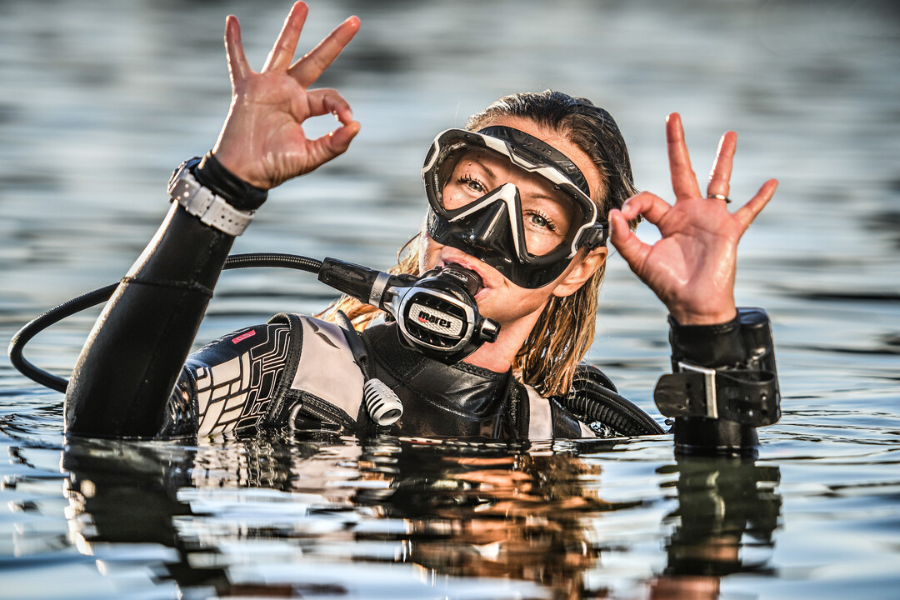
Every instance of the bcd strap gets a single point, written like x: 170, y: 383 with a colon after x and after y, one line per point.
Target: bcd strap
x: 745, y: 397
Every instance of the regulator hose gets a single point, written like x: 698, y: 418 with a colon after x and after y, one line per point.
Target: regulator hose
x: 100, y: 295
x: 592, y: 400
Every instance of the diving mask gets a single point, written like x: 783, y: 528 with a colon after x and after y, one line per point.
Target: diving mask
x: 511, y: 201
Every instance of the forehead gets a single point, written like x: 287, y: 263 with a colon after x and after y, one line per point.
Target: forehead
x: 561, y: 143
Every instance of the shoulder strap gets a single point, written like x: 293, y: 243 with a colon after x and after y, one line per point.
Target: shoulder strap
x: 325, y: 366
x: 549, y: 419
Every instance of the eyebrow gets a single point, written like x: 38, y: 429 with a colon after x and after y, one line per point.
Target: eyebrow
x: 475, y: 159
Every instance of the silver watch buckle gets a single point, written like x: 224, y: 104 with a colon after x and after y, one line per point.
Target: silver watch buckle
x: 709, y: 380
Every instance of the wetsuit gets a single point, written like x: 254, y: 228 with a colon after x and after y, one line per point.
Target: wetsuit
x: 299, y: 373
x: 133, y: 378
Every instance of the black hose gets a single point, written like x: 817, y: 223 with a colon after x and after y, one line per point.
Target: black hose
x: 593, y: 401
x: 274, y: 260
x: 42, y: 322
x: 85, y: 301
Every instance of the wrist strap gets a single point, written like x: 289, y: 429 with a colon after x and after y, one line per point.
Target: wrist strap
x: 707, y: 345
x: 745, y: 397
x: 202, y: 203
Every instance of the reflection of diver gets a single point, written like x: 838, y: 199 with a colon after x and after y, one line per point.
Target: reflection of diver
x: 478, y: 512
x: 464, y: 510
x: 125, y: 492
x: 720, y: 504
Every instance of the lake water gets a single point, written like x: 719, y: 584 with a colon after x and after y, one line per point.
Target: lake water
x: 100, y: 100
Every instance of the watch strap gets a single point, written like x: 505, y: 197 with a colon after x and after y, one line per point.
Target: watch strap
x: 202, y: 203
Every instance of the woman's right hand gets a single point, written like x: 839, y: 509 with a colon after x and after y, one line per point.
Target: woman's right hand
x: 262, y: 140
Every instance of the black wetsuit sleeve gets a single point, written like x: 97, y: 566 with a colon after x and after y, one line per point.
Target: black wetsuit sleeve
x: 128, y: 368
x: 742, y: 344
x: 712, y: 346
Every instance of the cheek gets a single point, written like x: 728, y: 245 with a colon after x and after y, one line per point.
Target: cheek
x: 429, y: 253
x: 533, y: 300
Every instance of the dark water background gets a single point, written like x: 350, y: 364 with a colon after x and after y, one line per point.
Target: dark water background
x: 99, y: 100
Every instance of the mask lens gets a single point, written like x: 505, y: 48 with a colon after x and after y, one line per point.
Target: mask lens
x: 543, y: 214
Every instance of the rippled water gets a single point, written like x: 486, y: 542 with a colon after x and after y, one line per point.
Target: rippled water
x: 99, y: 100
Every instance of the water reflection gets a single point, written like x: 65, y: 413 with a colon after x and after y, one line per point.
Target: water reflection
x: 90, y: 136
x: 285, y: 518
x: 501, y: 513
x: 727, y: 513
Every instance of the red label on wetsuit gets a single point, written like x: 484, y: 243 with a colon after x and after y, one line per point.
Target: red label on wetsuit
x: 243, y: 336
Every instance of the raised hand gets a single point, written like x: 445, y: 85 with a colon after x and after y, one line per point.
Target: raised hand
x: 262, y: 140
x: 692, y: 268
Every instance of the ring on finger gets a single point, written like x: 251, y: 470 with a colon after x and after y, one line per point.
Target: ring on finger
x: 719, y: 197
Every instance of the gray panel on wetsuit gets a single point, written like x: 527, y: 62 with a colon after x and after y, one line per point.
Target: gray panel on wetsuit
x: 540, y: 426
x: 326, y: 368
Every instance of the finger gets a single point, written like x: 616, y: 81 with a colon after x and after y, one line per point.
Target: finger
x: 310, y: 67
x: 684, y: 181
x: 754, y: 206
x: 333, y: 144
x: 652, y: 207
x: 238, y: 67
x: 632, y: 249
x: 720, y: 176
x: 283, y: 51
x: 328, y: 101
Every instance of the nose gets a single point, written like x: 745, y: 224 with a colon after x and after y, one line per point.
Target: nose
x: 489, y: 226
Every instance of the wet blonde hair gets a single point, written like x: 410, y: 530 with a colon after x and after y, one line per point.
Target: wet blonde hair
x: 565, y: 329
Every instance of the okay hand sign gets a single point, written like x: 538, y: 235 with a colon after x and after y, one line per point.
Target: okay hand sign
x: 262, y: 140
x: 692, y: 268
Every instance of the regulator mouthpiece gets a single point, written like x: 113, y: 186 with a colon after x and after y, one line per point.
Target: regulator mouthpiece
x: 470, y: 280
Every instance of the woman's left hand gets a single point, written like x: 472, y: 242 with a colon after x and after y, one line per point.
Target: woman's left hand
x: 692, y: 268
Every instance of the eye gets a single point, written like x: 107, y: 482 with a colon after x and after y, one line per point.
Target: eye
x: 473, y: 184
x: 540, y: 221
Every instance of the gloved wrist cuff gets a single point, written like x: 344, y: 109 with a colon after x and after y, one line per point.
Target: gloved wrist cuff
x: 711, y: 346
x: 228, y: 186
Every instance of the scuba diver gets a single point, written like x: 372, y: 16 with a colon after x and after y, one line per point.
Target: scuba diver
x: 480, y: 329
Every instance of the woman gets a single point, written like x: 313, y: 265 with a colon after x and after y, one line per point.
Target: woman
x: 517, y: 209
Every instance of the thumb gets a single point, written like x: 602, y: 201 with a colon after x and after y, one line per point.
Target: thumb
x: 333, y: 144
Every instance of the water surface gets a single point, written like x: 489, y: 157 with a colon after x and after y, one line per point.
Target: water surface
x: 100, y: 100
